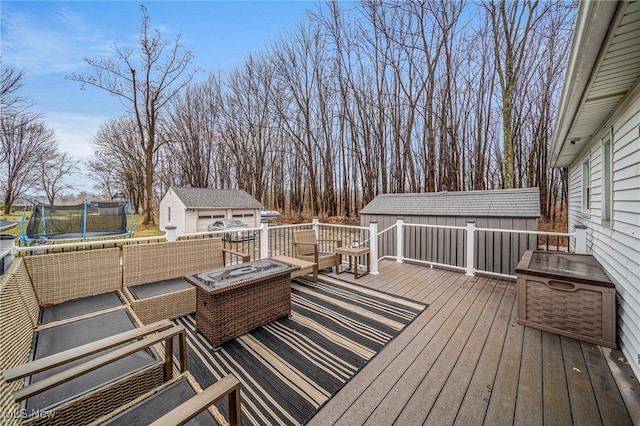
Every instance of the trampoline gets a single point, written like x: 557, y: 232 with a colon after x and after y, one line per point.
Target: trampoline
x: 95, y: 219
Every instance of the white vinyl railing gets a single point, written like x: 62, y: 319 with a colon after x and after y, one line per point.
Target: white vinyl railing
x: 465, y: 248
x: 473, y: 250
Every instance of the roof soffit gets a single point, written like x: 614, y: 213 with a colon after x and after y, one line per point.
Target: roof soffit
x: 612, y: 30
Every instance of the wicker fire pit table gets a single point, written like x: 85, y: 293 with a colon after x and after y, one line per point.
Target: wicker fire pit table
x: 233, y: 300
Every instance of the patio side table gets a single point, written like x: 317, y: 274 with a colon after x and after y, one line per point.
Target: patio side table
x: 353, y: 253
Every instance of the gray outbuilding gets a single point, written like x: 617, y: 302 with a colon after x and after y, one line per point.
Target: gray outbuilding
x: 508, y: 209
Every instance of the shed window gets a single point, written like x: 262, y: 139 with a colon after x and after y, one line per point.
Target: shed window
x: 586, y: 187
x: 168, y: 214
x: 606, y: 182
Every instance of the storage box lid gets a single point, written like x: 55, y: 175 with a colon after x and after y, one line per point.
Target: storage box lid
x: 578, y: 268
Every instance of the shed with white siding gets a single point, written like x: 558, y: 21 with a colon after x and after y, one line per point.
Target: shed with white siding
x: 597, y: 136
x: 193, y: 209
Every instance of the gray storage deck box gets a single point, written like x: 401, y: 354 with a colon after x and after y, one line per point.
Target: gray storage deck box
x: 567, y: 294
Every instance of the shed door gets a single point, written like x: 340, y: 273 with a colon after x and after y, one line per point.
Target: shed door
x: 206, y: 217
x: 247, y: 216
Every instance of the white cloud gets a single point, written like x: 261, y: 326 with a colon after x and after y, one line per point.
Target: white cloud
x: 74, y: 132
x: 51, y: 43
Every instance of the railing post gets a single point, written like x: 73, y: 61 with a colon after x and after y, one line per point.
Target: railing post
x: 315, y: 224
x: 400, y: 239
x: 471, y: 245
x: 581, y: 239
x: 264, y: 241
x: 6, y: 243
x: 373, y: 247
x: 172, y: 234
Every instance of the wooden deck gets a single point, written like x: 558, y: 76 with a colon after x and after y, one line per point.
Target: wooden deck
x: 466, y: 361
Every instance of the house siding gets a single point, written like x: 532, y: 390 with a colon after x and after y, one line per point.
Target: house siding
x: 172, y: 201
x: 616, y: 245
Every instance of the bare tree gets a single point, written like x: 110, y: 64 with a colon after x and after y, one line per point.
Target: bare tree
x: 296, y: 60
x: 12, y: 104
x: 512, y: 24
x: 385, y: 96
x: 192, y: 131
x: 54, y: 172
x: 105, y: 179
x: 250, y: 134
x: 119, y: 160
x: 145, y: 86
x: 27, y: 143
x: 10, y: 83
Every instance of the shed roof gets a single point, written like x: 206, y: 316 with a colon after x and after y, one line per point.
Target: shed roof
x: 216, y: 198
x: 523, y: 203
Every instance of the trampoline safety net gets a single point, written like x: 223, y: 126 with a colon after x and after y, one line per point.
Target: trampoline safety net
x: 87, y: 220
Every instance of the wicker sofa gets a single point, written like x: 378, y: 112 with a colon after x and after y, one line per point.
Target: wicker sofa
x: 19, y: 314
x: 34, y: 284
x: 152, y: 275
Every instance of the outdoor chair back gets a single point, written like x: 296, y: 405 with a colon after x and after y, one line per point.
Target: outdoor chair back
x: 147, y: 263
x: 59, y: 277
x: 18, y: 317
x: 306, y: 247
x: 163, y: 265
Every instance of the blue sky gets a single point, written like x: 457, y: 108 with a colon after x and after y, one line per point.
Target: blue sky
x: 48, y: 39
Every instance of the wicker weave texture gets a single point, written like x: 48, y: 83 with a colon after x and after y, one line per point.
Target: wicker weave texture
x: 579, y: 311
x: 230, y: 312
x: 27, y: 292
x: 60, y: 277
x: 16, y: 333
x: 147, y: 263
x: 165, y: 306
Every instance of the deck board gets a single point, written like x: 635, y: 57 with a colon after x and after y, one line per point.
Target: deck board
x: 529, y: 396
x: 447, y: 405
x: 554, y: 383
x: 465, y: 360
x: 359, y: 389
x: 440, y: 370
x: 502, y: 402
x: 609, y: 400
x: 584, y: 408
x: 474, y: 404
x: 629, y: 391
x: 406, y: 372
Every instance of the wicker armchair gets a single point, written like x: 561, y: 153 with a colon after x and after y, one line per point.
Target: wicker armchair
x: 305, y: 247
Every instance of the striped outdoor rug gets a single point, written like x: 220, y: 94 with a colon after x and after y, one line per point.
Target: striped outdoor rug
x: 289, y: 368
